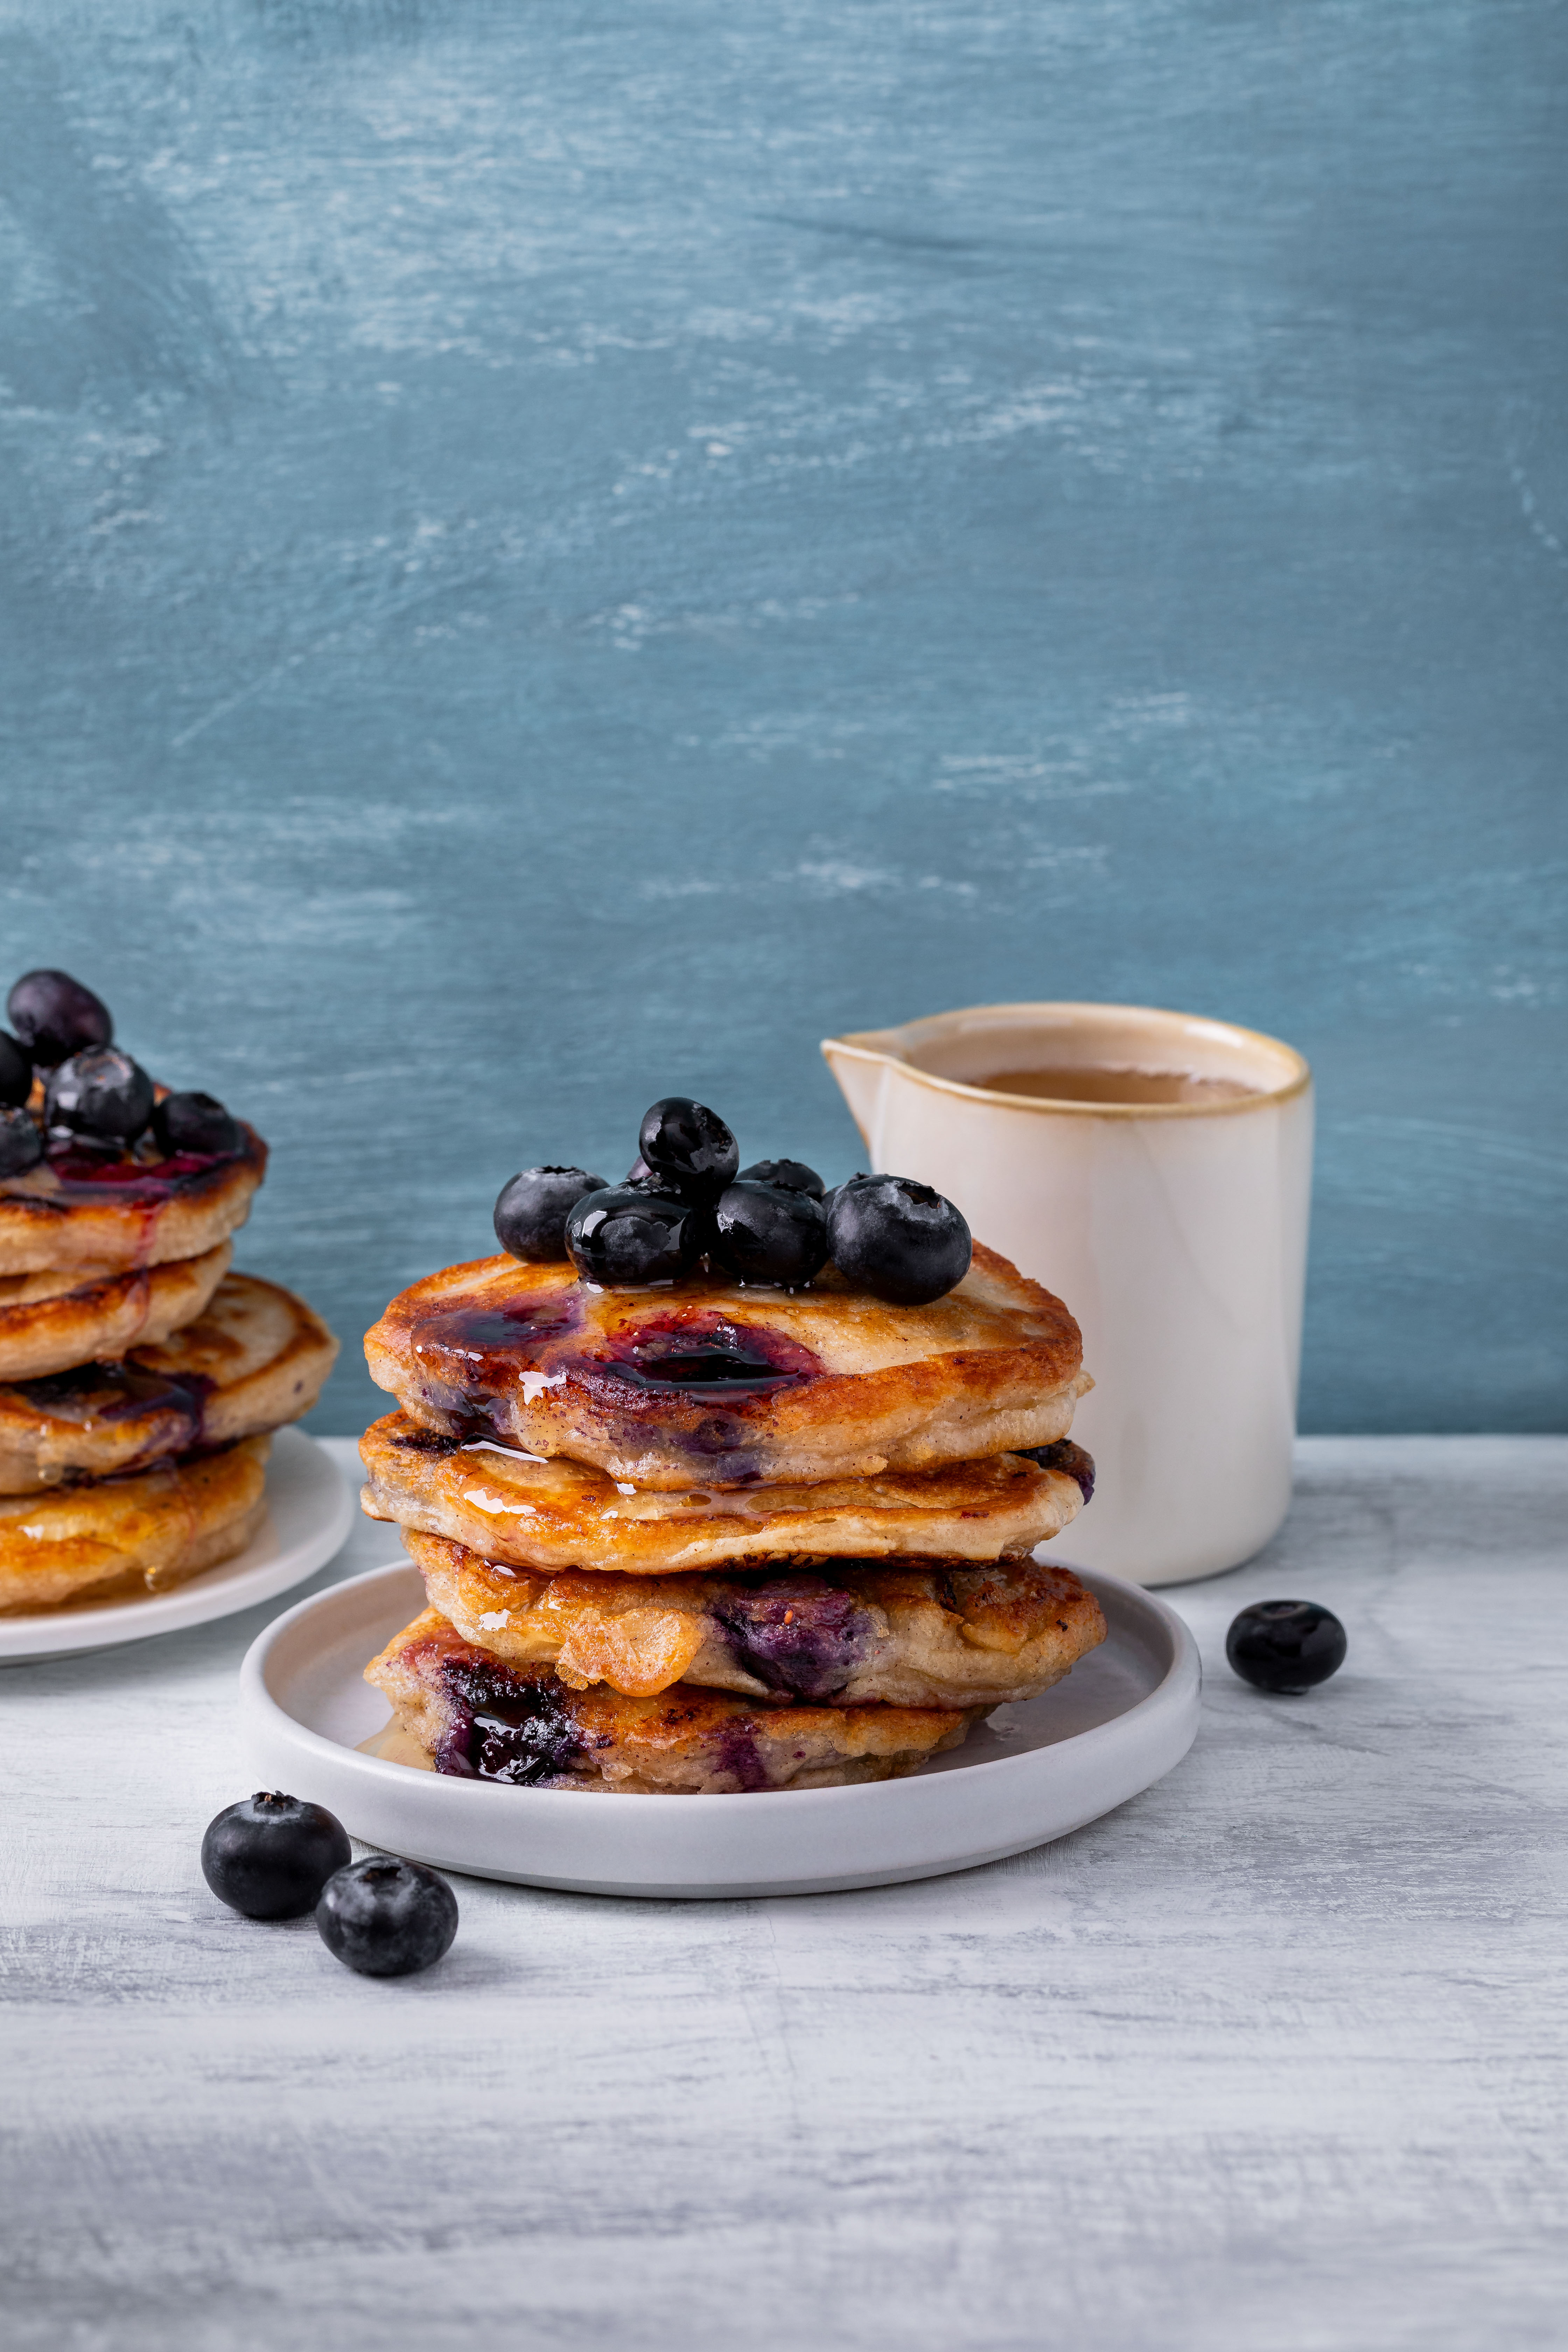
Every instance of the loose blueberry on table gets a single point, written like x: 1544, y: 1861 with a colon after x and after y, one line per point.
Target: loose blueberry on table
x: 1286, y: 1646
x: 270, y: 1855
x: 532, y: 1208
x: 383, y: 1918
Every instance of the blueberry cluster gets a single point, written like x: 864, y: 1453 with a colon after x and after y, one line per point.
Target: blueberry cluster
x: 273, y: 1856
x: 687, y: 1197
x: 95, y: 1096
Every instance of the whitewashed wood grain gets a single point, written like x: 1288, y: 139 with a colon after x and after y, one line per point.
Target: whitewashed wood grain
x: 1271, y: 2058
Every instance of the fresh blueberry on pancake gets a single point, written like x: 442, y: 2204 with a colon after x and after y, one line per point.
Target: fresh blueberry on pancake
x: 195, y: 1123
x: 898, y: 1239
x: 385, y: 1917
x: 100, y: 1096
x: 270, y: 1855
x: 791, y: 1175
x: 626, y: 1237
x: 21, y: 1145
x: 532, y: 1211
x: 764, y: 1233
x: 690, y: 1147
x: 15, y: 1074
x: 55, y: 1016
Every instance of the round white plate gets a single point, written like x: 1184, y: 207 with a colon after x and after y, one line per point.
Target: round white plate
x: 309, y: 1510
x: 1120, y: 1720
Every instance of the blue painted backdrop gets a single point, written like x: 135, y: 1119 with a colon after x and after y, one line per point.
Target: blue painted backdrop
x: 554, y: 552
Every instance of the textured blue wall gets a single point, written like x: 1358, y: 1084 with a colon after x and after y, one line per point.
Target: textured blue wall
x: 556, y: 553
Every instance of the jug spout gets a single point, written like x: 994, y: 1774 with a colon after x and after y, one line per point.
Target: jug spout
x: 863, y: 1066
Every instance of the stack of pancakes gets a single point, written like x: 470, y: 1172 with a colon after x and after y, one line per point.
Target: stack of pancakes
x: 710, y: 1538
x: 139, y: 1378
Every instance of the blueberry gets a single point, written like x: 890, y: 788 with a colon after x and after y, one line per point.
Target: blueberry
x: 688, y: 1146
x: 898, y: 1239
x: 765, y: 1233
x: 194, y: 1123
x: 639, y: 1172
x: 790, y: 1175
x: 1286, y: 1645
x: 1065, y: 1455
x: 530, y: 1214
x: 55, y: 1016
x: 626, y: 1234
x: 386, y: 1918
x: 270, y: 1855
x: 16, y: 1073
x: 100, y: 1093
x: 21, y: 1145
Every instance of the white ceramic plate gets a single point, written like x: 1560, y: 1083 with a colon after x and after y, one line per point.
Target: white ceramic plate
x: 309, y: 1510
x: 1120, y: 1720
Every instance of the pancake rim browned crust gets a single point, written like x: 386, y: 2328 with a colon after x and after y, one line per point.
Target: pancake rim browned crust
x: 39, y: 1449
x: 943, y: 1405
x: 40, y: 1231
x: 683, y: 1737
x: 909, y: 1634
x: 133, y: 1536
x: 104, y: 1317
x: 566, y: 1514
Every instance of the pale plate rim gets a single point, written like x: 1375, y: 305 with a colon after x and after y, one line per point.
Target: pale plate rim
x: 310, y: 1511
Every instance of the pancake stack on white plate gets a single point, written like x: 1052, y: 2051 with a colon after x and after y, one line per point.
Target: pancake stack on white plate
x: 140, y: 1378
x: 700, y: 1534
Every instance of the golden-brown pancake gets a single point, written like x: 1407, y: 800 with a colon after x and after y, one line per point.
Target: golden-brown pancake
x: 51, y: 1322
x: 255, y: 1358
x: 920, y: 1634
x: 476, y: 1716
x: 709, y: 1382
x: 100, y: 1214
x: 560, y: 1514
x: 119, y: 1538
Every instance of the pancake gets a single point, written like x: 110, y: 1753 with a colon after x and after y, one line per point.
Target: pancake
x: 51, y: 1322
x: 119, y: 1538
x: 916, y: 1634
x: 87, y: 1210
x: 474, y: 1716
x: 709, y: 1382
x: 560, y: 1514
x: 255, y: 1358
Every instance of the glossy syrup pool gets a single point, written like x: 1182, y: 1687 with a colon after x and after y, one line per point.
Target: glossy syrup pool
x: 106, y: 1393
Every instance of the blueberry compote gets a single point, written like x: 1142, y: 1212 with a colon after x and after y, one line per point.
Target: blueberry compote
x: 94, y: 1396
x: 708, y: 1353
x: 1065, y: 1455
x: 798, y: 1635
x: 508, y: 1727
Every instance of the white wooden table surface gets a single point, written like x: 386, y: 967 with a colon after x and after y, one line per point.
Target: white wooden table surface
x: 1271, y: 2058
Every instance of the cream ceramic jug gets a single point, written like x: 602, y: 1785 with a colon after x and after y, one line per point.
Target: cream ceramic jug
x: 1174, y: 1230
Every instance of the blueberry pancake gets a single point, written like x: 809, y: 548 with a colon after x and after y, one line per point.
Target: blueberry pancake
x: 704, y: 1381
x: 474, y: 1716
x: 99, y: 1211
x: 123, y: 1536
x: 51, y: 1321
x: 255, y: 1358
x: 915, y: 1634
x: 558, y: 1514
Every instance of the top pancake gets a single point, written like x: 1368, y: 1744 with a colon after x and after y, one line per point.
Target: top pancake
x: 83, y: 1209
x: 716, y: 1384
